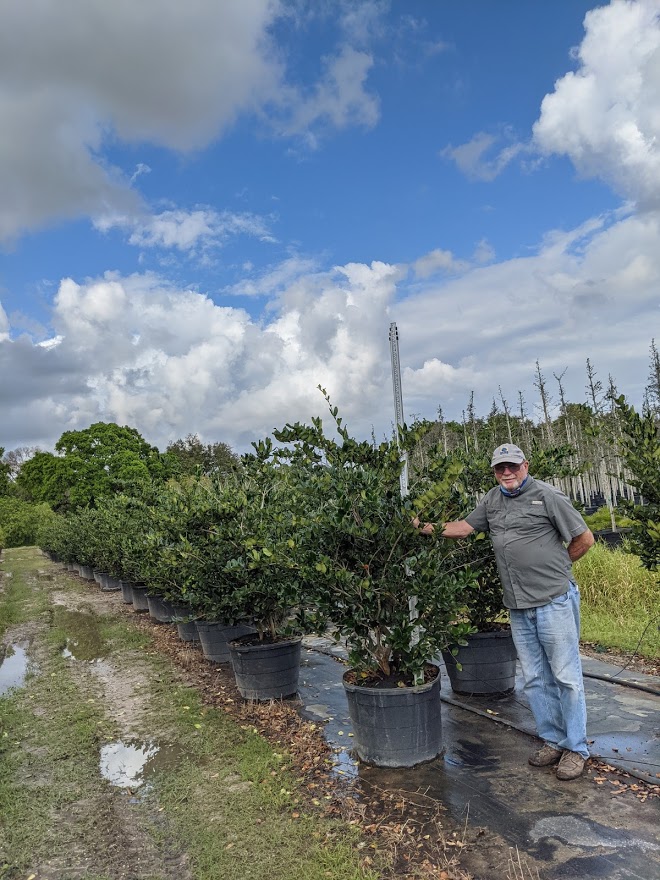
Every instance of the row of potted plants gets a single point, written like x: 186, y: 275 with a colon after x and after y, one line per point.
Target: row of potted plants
x: 304, y: 536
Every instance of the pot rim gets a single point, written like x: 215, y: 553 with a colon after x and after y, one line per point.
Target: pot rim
x: 236, y: 645
x: 414, y: 689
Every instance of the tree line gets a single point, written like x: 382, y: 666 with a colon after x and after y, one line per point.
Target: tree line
x: 581, y: 444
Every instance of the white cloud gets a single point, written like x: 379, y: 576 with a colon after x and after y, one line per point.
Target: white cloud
x: 362, y: 22
x: 483, y: 157
x: 171, y: 73
x: 441, y: 262
x: 75, y: 77
x: 339, y: 99
x: 169, y: 362
x: 189, y: 231
x: 438, y: 261
x: 140, y: 169
x: 590, y: 293
x: 605, y: 116
x: 275, y: 279
x: 484, y: 252
x: 138, y: 351
x: 4, y: 325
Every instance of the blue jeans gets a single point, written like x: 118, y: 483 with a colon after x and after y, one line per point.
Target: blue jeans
x: 547, y: 640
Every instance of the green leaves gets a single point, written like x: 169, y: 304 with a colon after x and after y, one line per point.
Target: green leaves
x: 364, y: 558
x: 96, y: 463
x: 640, y: 449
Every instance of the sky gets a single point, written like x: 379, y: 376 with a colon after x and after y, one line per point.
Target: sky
x: 207, y: 210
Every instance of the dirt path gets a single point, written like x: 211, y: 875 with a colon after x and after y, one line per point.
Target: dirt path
x: 98, y: 824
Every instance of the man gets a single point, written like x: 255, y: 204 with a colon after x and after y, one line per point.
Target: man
x: 537, y: 534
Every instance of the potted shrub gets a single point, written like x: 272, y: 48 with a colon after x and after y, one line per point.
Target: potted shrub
x: 482, y: 661
x: 171, y: 522
x: 80, y: 528
x: 128, y: 519
x: 369, y: 562
x: 194, y: 534
x: 269, y: 579
x: 104, y: 533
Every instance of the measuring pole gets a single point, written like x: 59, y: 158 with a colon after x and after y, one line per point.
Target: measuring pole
x: 398, y: 404
x: 403, y: 479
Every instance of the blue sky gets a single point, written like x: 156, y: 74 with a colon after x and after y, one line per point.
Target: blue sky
x: 209, y: 209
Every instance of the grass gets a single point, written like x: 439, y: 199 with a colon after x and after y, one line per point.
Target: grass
x: 620, y: 601
x: 227, y: 798
x: 17, y: 603
x: 43, y: 769
x: 602, y: 519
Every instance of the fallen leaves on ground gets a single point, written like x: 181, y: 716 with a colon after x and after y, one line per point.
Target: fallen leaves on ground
x: 407, y: 826
x: 622, y: 782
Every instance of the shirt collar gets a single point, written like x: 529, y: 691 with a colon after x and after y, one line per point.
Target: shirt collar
x: 515, y: 491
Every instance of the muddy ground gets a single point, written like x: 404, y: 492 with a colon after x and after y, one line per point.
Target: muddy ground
x: 121, y: 831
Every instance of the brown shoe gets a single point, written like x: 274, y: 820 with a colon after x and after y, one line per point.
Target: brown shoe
x: 571, y: 765
x: 545, y: 756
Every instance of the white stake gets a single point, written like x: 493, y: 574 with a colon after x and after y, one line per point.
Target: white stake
x: 403, y: 479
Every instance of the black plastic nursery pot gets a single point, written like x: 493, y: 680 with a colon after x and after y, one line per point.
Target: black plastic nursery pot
x: 160, y: 609
x: 266, y: 671
x: 140, y: 597
x: 109, y: 583
x: 215, y: 638
x: 185, y: 625
x: 396, y: 727
x: 87, y: 572
x: 612, y: 539
x: 488, y: 664
x: 126, y: 591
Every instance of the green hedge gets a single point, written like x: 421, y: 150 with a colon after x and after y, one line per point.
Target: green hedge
x: 20, y: 521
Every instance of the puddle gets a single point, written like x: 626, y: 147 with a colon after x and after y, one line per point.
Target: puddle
x: 83, y: 636
x: 129, y: 764
x: 344, y: 764
x: 576, y: 831
x: 13, y: 668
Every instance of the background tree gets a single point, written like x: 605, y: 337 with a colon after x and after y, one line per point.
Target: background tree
x: 4, y: 473
x: 546, y: 402
x: 640, y: 449
x: 37, y: 477
x: 16, y: 458
x: 20, y: 522
x: 191, y: 456
x: 95, y: 463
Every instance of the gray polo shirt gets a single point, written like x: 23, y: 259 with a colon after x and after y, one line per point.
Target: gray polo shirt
x: 529, y: 533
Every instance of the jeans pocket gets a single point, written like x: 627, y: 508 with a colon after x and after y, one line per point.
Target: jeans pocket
x: 561, y: 600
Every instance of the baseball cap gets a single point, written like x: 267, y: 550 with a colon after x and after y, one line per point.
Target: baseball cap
x: 507, y: 452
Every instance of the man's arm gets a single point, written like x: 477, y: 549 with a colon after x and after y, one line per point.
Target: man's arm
x: 580, y: 545
x: 460, y: 528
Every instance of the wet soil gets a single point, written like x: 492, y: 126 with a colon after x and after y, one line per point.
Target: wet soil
x: 392, y: 680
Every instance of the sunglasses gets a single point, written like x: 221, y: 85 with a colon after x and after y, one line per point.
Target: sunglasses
x: 507, y: 466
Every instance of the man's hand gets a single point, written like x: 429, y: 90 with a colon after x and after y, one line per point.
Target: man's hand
x: 424, y: 528
x: 457, y: 529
